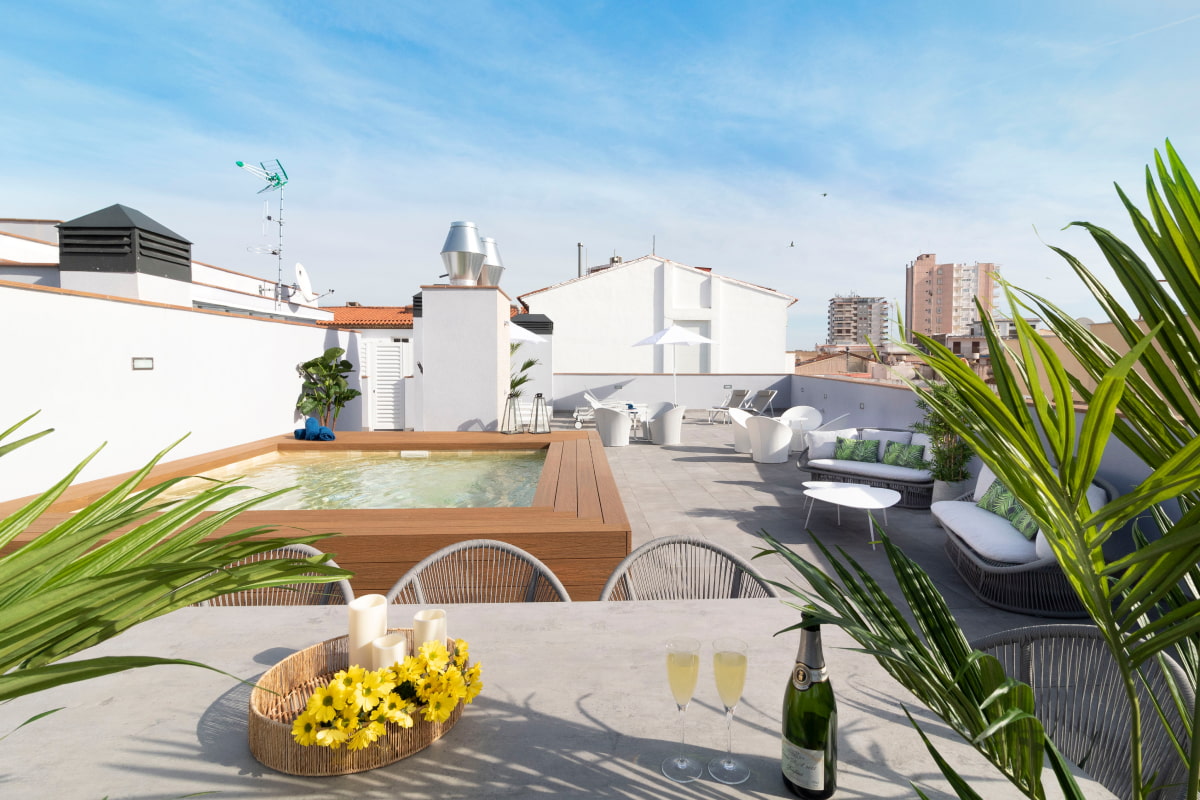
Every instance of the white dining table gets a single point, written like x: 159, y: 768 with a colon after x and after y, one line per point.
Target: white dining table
x: 575, y: 704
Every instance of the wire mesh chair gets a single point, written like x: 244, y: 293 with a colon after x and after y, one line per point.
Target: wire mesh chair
x: 1079, y: 699
x: 479, y: 571
x: 293, y: 594
x: 684, y: 568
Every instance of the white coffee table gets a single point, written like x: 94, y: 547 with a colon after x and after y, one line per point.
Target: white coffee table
x: 851, y: 495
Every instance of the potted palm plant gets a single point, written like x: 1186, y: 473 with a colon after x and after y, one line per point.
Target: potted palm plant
x: 949, y: 456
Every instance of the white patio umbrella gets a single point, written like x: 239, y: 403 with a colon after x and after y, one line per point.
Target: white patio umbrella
x: 674, y: 335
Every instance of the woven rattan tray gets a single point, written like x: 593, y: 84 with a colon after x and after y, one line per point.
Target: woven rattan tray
x: 295, y: 678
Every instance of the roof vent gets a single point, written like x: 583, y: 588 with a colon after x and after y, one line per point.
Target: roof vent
x: 353, y: 304
x: 122, y: 239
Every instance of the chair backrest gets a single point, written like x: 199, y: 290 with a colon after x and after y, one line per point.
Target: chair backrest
x: 1079, y: 699
x: 613, y: 426
x: 805, y: 417
x: 293, y: 594
x: 655, y: 410
x: 770, y: 439
x: 684, y: 568
x: 736, y: 398
x: 479, y: 571
x: 762, y: 400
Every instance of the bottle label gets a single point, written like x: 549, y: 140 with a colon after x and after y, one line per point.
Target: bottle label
x: 803, y: 767
x: 804, y: 676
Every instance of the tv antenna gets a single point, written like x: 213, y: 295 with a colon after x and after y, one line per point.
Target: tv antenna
x: 276, y: 177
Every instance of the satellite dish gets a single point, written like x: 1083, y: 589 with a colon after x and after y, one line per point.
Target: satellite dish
x: 304, y: 284
x: 1085, y: 322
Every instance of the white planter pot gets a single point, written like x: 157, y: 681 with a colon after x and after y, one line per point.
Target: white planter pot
x: 944, y: 490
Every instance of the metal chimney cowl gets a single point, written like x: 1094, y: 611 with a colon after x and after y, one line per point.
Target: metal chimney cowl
x: 463, y: 254
x: 493, y: 265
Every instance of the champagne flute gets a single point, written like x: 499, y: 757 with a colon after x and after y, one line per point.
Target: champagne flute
x: 729, y: 669
x: 683, y: 668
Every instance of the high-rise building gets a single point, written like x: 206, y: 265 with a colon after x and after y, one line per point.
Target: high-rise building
x: 854, y: 320
x: 940, y: 298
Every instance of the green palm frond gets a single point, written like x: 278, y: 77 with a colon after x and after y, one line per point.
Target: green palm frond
x: 125, y: 558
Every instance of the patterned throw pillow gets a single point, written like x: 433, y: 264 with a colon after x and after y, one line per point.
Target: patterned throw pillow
x: 856, y: 449
x: 1000, y: 501
x: 899, y: 454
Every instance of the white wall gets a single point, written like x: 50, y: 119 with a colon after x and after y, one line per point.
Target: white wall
x: 598, y: 318
x: 464, y: 350
x: 224, y: 379
x: 18, y: 248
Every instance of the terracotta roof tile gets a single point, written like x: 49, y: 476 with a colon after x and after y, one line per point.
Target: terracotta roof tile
x: 371, y: 316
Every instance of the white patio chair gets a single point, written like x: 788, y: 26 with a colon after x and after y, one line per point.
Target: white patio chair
x: 761, y: 404
x: 741, y: 436
x: 478, y: 571
x: 736, y: 399
x: 684, y: 568
x: 293, y: 594
x: 770, y: 440
x: 801, y: 419
x: 666, y: 427
x: 613, y: 426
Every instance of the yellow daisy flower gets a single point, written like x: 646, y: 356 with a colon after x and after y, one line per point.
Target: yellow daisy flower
x: 435, y: 655
x: 325, y: 704
x: 364, y: 736
x: 304, y: 729
x: 439, y: 708
x: 460, y: 652
x: 474, y: 684
x: 453, y: 683
x: 343, y: 682
x: 331, y: 737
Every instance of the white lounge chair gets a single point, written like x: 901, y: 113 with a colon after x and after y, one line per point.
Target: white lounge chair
x: 586, y: 413
x: 741, y: 436
x: 761, y: 403
x: 770, y: 440
x: 736, y: 399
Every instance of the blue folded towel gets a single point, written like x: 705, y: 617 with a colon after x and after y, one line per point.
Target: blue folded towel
x: 311, y: 426
x: 324, y: 434
x: 299, y: 433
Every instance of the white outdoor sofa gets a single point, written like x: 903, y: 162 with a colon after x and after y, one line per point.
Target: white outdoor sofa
x: 1002, y: 567
x: 914, y: 485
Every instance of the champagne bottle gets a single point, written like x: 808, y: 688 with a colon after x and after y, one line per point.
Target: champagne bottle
x: 810, y: 721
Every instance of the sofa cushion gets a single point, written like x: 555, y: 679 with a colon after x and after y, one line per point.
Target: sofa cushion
x: 987, y: 534
x: 899, y: 454
x: 864, y: 469
x: 1000, y: 501
x: 821, y: 444
x: 983, y: 482
x: 884, y: 436
x: 866, y: 450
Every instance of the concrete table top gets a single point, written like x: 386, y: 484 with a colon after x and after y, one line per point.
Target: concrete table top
x: 575, y: 703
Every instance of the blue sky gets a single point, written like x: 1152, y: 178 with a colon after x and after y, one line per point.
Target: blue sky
x: 865, y: 132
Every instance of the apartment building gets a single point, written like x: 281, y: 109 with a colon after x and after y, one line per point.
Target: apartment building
x: 855, y: 320
x: 940, y: 298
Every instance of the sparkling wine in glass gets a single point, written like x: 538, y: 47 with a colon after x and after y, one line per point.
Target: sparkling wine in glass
x: 683, y: 668
x: 729, y: 669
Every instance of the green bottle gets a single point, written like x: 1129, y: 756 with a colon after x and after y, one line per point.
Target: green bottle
x: 810, y: 721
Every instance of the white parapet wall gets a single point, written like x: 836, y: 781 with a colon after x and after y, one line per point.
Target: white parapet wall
x: 224, y: 379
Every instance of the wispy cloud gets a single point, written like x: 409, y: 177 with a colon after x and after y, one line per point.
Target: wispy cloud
x: 947, y: 128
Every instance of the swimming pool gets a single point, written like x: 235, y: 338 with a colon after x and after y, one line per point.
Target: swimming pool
x: 388, y: 479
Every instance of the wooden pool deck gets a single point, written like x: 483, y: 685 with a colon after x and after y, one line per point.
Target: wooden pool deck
x: 576, y: 525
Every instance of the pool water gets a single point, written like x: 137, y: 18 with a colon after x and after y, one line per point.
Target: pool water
x: 389, y: 479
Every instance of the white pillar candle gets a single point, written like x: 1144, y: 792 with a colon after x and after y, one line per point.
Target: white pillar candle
x: 387, y: 650
x: 429, y: 625
x: 368, y: 621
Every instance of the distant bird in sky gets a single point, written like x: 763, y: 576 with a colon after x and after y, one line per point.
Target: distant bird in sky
x: 824, y: 194
x: 793, y: 244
